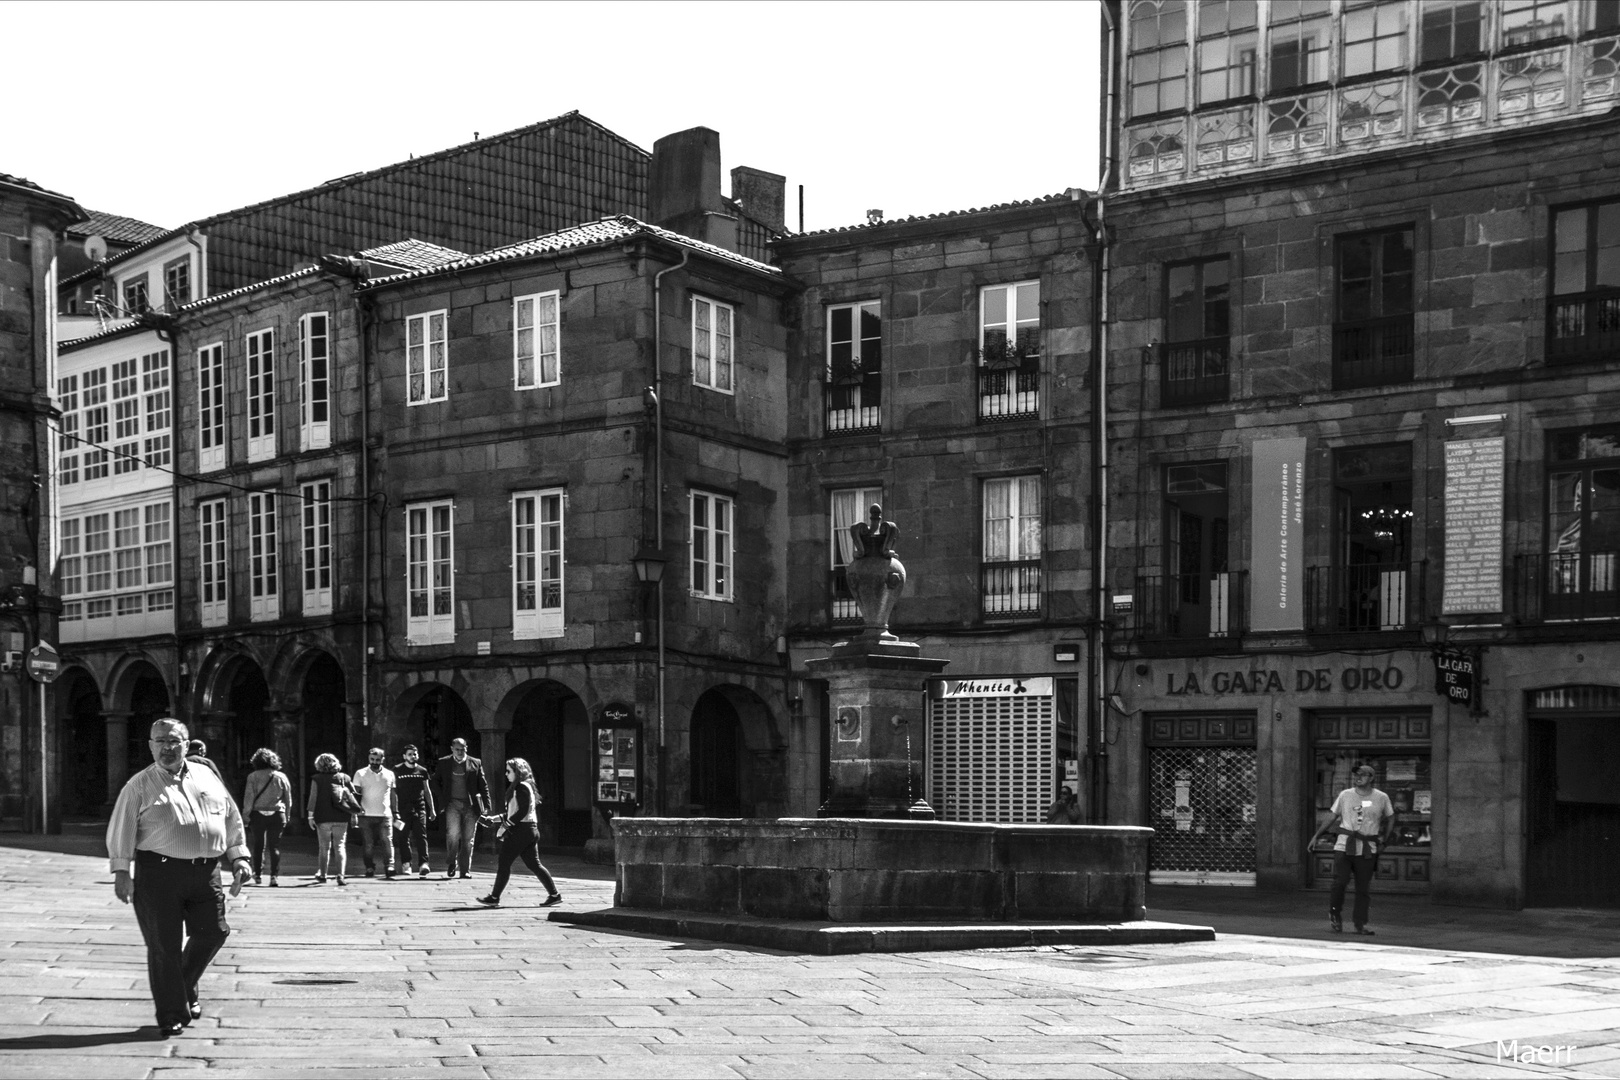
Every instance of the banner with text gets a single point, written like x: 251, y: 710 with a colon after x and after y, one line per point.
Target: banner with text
x: 1474, y: 471
x: 1277, y: 535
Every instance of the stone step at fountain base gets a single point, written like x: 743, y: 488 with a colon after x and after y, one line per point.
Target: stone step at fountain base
x: 838, y: 939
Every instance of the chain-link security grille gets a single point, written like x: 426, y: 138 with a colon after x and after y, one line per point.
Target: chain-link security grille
x: 1202, y: 807
x: 992, y: 758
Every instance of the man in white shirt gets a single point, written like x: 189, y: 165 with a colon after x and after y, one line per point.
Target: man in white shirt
x: 172, y: 823
x: 1362, y: 819
x: 379, y: 807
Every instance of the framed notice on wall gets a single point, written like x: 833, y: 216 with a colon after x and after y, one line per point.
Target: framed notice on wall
x: 617, y: 749
x: 1474, y: 472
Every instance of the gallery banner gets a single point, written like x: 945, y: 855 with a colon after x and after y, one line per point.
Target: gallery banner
x: 1277, y: 539
x: 1474, y: 471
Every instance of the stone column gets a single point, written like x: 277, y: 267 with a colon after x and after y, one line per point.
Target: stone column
x: 117, y: 753
x: 875, y: 694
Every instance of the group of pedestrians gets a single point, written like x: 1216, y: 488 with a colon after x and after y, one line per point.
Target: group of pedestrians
x: 175, y: 821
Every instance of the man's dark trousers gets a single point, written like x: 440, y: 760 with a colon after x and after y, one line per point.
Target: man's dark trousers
x: 1360, y: 867
x: 412, y: 839
x: 174, y: 896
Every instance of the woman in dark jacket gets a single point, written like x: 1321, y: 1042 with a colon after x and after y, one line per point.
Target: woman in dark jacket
x: 331, y: 806
x: 519, y: 833
x: 267, y: 799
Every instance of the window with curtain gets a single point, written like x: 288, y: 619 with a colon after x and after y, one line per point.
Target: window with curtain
x: 848, y: 506
x: 1011, y: 571
x: 536, y: 348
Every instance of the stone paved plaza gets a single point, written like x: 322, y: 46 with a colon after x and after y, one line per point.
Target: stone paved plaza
x: 413, y: 978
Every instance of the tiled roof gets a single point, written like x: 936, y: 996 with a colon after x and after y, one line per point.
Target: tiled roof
x: 116, y: 227
x: 1062, y: 196
x: 115, y: 328
x: 413, y: 254
x: 29, y: 185
x: 268, y: 283
x: 346, y: 181
x: 612, y: 230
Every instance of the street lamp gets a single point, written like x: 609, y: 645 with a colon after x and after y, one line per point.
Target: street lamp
x: 649, y: 563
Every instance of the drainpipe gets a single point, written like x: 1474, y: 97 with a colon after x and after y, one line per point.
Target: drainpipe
x: 658, y: 499
x: 362, y: 318
x: 1099, y: 562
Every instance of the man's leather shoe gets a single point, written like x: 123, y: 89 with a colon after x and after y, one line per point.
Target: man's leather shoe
x: 170, y: 1029
x: 1335, y: 922
x: 196, y: 1010
x: 1364, y: 931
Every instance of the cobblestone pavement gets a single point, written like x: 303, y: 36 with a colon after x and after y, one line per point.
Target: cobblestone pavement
x: 408, y: 977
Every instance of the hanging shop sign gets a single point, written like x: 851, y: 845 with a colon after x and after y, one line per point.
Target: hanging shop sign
x: 618, y: 758
x: 1455, y: 676
x: 1323, y: 680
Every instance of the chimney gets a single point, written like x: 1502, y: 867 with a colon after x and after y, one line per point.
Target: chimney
x: 685, y: 195
x: 762, y: 196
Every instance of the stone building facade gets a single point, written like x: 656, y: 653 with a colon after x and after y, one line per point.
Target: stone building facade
x: 1361, y: 394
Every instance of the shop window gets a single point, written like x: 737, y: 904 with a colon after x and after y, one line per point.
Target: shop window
x: 1583, y: 312
x: 1371, y: 584
x: 854, y: 367
x: 1397, y: 746
x: 1372, y: 328
x: 1579, y: 571
x: 1202, y: 798
x: 993, y: 755
x: 1195, y: 364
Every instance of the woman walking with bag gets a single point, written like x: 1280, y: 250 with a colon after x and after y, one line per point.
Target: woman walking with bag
x: 267, y: 801
x: 519, y: 835
x: 332, y: 806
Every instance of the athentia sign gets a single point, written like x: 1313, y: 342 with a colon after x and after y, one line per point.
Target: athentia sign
x: 998, y: 687
x: 1455, y: 676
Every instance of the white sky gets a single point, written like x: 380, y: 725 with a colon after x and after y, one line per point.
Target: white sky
x: 171, y: 112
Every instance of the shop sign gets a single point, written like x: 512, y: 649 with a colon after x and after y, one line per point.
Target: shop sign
x: 1455, y: 675
x: 998, y: 687
x: 1350, y: 680
x: 1277, y: 535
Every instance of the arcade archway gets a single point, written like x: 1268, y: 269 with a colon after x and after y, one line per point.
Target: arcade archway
x: 434, y: 715
x: 551, y: 732
x: 737, y: 759
x: 88, y: 752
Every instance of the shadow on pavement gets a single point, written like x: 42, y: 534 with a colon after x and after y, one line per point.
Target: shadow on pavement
x: 78, y: 1042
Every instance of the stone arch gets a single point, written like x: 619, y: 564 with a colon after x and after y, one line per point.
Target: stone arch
x: 430, y: 714
x: 92, y: 747
x: 737, y: 758
x: 136, y: 693
x: 237, y: 711
x: 312, y: 691
x: 545, y: 721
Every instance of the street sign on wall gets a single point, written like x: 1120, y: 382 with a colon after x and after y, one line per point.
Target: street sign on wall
x: 44, y: 663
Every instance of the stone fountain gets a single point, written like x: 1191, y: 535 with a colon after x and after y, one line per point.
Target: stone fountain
x: 873, y: 871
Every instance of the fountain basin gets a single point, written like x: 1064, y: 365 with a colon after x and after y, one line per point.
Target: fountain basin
x: 882, y: 870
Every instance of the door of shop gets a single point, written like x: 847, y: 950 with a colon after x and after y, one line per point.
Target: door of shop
x: 1396, y: 744
x: 1572, y: 802
x: 1201, y: 792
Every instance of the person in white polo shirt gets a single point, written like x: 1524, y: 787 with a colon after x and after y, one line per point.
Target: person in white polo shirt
x: 379, y: 808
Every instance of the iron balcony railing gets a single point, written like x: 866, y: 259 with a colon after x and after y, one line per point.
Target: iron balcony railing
x: 1374, y: 352
x: 1366, y: 598
x: 1010, y: 394
x: 1189, y: 606
x: 1567, y: 585
x: 1010, y: 590
x: 1195, y: 372
x: 1583, y: 326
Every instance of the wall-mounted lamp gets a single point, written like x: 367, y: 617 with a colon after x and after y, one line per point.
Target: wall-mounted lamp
x: 649, y: 563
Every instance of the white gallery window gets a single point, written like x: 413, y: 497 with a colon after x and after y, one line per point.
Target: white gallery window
x: 261, y: 395
x: 316, y: 511
x: 70, y: 569
x: 126, y: 404
x: 430, y: 574
x: 158, y: 447
x: 67, y: 430
x: 426, y: 358
x: 537, y: 564
x: 117, y: 564
x: 98, y: 575
x: 314, y: 382
x: 211, y: 407
x: 264, y: 597
x: 711, y: 545
x: 536, y: 341
x: 713, y: 325
x: 96, y: 425
x: 213, y: 587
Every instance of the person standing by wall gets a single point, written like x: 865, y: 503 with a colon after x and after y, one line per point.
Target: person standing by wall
x: 415, y: 797
x: 379, y: 805
x: 1362, y: 817
x: 267, y: 803
x: 171, y: 824
x: 519, y: 835
x: 331, y: 806
x: 463, y: 790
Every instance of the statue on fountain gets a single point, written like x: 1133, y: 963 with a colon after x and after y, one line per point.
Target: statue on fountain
x: 876, y: 575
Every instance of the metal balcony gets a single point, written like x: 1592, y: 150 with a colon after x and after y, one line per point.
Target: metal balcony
x: 1367, y: 598
x: 1583, y: 326
x: 1010, y: 590
x: 1189, y: 607
x: 1566, y: 586
x: 1195, y: 372
x: 1010, y: 394
x: 1375, y: 352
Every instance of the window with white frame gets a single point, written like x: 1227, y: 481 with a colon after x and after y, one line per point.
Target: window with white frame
x: 537, y: 563
x: 848, y: 506
x: 211, y: 407
x: 536, y: 341
x: 316, y: 511
x: 711, y: 545
x: 430, y: 573
x: 264, y: 596
x: 97, y: 426
x: 177, y: 282
x: 136, y: 299
x: 117, y: 564
x: 854, y: 366
x: 67, y: 430
x: 212, y: 557
x: 1011, y: 571
x: 126, y: 405
x: 426, y: 358
x: 1009, y: 351
x: 314, y: 382
x: 158, y: 446
x: 713, y: 333
x: 261, y: 395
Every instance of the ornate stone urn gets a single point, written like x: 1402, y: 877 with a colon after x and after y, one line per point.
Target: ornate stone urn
x: 876, y: 575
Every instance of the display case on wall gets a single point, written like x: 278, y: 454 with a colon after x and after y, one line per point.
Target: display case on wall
x: 1390, y: 743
